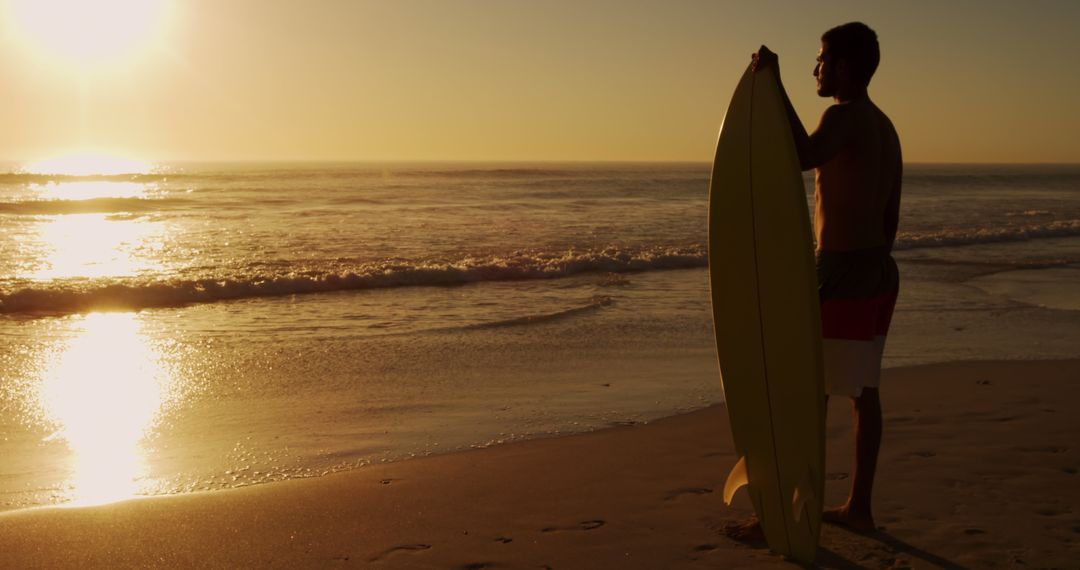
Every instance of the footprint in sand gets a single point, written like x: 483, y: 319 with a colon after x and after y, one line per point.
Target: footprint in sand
x: 402, y: 548
x: 687, y: 491
x: 584, y: 525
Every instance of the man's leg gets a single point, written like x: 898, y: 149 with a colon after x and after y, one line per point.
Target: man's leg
x: 857, y: 513
x: 854, y: 330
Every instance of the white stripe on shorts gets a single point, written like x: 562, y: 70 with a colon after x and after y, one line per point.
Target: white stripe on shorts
x: 851, y: 365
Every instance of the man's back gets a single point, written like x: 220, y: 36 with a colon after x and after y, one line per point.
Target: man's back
x: 858, y: 191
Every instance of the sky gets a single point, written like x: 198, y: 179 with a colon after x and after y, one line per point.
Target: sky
x: 492, y: 80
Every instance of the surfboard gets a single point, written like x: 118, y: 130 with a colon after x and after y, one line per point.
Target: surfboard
x: 766, y: 317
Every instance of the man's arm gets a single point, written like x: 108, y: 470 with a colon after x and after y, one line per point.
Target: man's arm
x: 798, y: 132
x: 827, y: 140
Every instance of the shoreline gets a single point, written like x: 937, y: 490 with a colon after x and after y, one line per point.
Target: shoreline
x: 990, y: 483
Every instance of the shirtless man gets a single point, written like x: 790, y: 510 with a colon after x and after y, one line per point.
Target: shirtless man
x: 856, y: 154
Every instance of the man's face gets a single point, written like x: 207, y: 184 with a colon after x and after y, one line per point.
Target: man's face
x: 825, y: 72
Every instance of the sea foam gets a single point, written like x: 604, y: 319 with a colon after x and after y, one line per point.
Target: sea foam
x: 66, y: 296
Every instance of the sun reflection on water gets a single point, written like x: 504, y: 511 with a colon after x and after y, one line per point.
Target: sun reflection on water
x: 71, y: 244
x: 90, y: 190
x: 95, y: 245
x: 105, y: 391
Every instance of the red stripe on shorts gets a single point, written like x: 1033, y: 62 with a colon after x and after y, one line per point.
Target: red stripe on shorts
x: 857, y: 319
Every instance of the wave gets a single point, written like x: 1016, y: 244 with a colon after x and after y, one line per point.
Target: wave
x: 268, y: 278
x: 64, y: 297
x: 1057, y: 177
x: 91, y: 206
x: 39, y: 178
x: 594, y: 304
x: 946, y: 238
x: 490, y: 172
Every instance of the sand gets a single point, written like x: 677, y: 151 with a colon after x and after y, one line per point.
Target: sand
x: 978, y: 469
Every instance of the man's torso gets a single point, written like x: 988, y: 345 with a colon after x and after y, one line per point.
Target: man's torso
x: 857, y: 193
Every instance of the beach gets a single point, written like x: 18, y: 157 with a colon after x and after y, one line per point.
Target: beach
x: 978, y: 470
x: 337, y: 365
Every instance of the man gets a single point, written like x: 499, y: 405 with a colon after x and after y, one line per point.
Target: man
x: 856, y: 154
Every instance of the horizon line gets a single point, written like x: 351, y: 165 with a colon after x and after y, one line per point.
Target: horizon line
x: 527, y: 161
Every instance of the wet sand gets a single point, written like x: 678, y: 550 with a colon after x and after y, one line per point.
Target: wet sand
x: 979, y: 469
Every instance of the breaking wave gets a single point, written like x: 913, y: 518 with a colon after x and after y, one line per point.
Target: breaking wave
x: 71, y: 296
x: 971, y: 236
x: 91, y: 206
x: 270, y: 278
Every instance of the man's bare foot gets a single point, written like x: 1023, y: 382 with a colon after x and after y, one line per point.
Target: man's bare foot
x: 846, y: 516
x: 746, y: 531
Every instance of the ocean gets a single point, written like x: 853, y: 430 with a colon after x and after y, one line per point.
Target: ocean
x: 194, y: 327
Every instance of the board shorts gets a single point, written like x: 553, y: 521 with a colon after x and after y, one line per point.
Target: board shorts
x: 857, y: 291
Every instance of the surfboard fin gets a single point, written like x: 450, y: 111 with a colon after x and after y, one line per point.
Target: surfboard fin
x: 802, y: 495
x: 737, y: 478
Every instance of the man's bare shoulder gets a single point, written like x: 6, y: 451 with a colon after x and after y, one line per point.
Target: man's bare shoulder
x: 863, y: 119
x: 853, y: 110
x: 844, y: 118
x: 882, y: 117
x: 892, y: 138
x: 837, y: 112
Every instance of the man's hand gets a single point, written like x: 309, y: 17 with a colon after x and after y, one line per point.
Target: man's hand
x: 765, y: 59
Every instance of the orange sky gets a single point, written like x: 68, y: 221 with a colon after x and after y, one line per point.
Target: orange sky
x: 517, y: 80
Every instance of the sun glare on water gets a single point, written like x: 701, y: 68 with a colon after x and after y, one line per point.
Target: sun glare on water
x: 91, y: 244
x: 86, y: 172
x: 104, y: 391
x: 88, y: 164
x: 87, y: 33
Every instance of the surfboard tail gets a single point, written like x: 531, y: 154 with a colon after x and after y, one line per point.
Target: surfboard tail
x: 803, y: 495
x: 735, y: 480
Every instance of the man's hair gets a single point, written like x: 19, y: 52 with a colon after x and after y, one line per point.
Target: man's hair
x: 856, y: 44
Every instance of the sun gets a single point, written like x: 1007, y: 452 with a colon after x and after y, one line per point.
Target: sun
x: 87, y: 34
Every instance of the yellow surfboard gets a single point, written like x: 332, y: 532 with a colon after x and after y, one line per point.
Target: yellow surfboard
x: 767, y: 319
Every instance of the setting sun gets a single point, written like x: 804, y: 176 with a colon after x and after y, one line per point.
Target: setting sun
x: 87, y: 34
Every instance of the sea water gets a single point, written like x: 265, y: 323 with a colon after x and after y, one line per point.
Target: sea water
x: 205, y: 326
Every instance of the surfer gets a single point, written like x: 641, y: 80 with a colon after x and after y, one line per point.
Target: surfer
x: 856, y: 154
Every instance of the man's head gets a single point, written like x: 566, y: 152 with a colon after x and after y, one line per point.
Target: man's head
x: 848, y: 58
